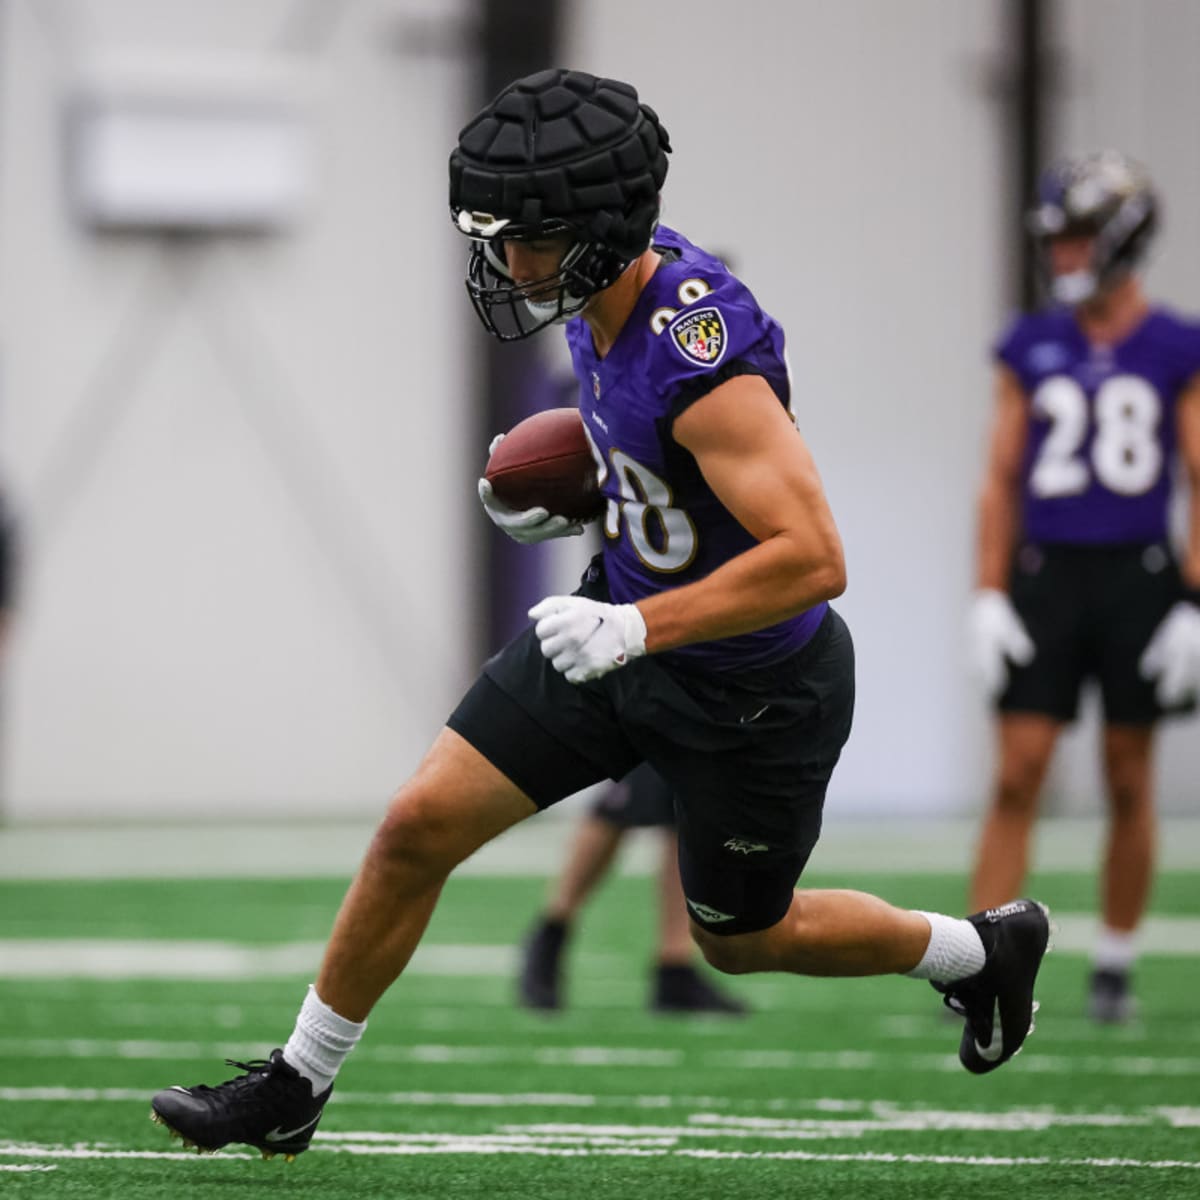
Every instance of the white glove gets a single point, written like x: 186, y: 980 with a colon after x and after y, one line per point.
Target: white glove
x: 1173, y: 655
x: 584, y: 639
x: 995, y: 635
x: 529, y: 525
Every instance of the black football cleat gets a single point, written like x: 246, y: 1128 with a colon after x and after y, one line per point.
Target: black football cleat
x: 682, y: 989
x: 997, y: 1001
x: 1110, y: 997
x: 270, y: 1107
x: 539, y: 985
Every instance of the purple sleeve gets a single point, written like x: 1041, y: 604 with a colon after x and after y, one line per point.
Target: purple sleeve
x: 705, y: 344
x: 1007, y: 347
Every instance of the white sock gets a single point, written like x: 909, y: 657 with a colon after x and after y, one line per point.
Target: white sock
x: 320, y: 1042
x: 954, y: 951
x: 1116, y: 950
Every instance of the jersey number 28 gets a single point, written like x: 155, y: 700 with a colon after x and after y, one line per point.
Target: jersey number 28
x: 1126, y: 453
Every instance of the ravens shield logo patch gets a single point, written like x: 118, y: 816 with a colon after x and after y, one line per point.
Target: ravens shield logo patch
x: 699, y: 335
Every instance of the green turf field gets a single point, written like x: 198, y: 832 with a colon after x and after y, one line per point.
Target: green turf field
x: 111, y: 990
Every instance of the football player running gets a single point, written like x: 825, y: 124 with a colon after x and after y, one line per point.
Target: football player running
x: 700, y: 640
x: 1096, y: 398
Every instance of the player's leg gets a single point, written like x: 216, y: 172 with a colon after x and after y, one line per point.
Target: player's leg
x: 675, y: 944
x: 1133, y: 588
x: 456, y: 801
x: 589, y: 858
x: 1129, y: 856
x: 500, y: 759
x: 1128, y: 867
x: 985, y: 965
x: 678, y: 986
x: 1025, y: 746
x: 749, y: 816
x: 1048, y: 588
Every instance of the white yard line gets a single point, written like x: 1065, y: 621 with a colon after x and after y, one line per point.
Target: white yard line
x: 105, y: 958
x: 860, y: 1115
x: 536, y: 847
x: 611, y: 1057
x: 117, y: 958
x: 483, y: 1145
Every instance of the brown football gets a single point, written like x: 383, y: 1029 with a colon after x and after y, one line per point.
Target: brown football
x: 545, y: 461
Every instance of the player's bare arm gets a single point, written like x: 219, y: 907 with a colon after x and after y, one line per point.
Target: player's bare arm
x: 759, y: 467
x: 1188, y: 418
x: 999, y: 497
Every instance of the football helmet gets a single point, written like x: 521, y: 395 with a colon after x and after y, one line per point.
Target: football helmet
x: 557, y: 155
x: 1106, y: 196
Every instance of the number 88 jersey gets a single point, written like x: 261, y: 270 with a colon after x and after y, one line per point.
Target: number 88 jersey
x: 693, y: 326
x: 1099, y: 459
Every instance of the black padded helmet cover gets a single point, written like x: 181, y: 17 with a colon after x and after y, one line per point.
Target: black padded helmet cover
x: 565, y: 146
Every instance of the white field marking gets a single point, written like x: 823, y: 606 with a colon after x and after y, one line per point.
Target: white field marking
x: 868, y: 1060
x: 1066, y: 1028
x: 26, y: 1167
x: 608, y: 1135
x: 489, y: 1145
x: 104, y: 958
x: 576, y: 1135
x: 708, y: 1125
x: 617, y: 1056
x: 559, y: 1100
x: 31, y: 1150
x: 964, y: 1160
x: 885, y: 1114
x: 1170, y: 935
x: 887, y: 1118
x: 1181, y: 1118
x: 546, y: 1056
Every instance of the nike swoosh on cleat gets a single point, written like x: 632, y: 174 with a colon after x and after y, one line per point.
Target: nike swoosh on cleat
x: 277, y: 1135
x: 992, y: 1052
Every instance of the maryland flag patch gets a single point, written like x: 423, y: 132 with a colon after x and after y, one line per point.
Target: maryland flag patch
x: 699, y: 335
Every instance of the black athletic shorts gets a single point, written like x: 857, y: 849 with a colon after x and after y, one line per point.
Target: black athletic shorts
x: 1090, y: 610
x: 642, y: 800
x: 748, y: 755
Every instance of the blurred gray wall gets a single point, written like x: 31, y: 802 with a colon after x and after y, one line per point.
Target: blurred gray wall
x: 242, y: 461
x: 245, y: 464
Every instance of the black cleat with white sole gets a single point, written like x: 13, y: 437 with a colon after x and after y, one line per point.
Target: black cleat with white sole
x: 997, y: 1001
x: 270, y: 1107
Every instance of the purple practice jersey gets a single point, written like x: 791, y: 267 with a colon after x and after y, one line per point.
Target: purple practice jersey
x: 693, y: 327
x: 1099, y: 461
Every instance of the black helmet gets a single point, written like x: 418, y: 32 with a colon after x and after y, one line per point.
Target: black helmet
x: 556, y: 153
x: 1106, y: 196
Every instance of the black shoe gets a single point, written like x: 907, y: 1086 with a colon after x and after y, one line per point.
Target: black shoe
x: 1110, y: 997
x: 540, y: 982
x: 682, y: 989
x: 271, y: 1107
x: 997, y: 1001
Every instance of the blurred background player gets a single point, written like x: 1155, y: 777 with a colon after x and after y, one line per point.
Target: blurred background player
x: 642, y: 800
x: 8, y: 570
x: 1097, y: 397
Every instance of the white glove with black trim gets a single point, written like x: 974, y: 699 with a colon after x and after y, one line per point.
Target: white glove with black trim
x: 584, y: 639
x: 996, y: 636
x: 527, y: 526
x: 1172, y: 655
